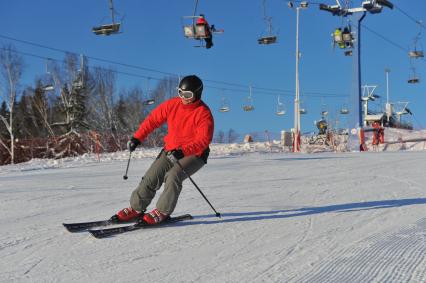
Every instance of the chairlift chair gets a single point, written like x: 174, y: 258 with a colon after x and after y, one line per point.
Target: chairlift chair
x: 344, y: 110
x: 417, y: 51
x: 224, y: 109
x: 344, y: 39
x: 77, y: 84
x: 269, y: 38
x: 266, y: 40
x: 224, y: 106
x: 148, y: 102
x: 302, y: 108
x: 416, y: 54
x: 249, y: 105
x: 48, y: 87
x: 413, y: 78
x: 108, y: 29
x: 280, y: 108
x: 194, y: 31
x: 198, y: 32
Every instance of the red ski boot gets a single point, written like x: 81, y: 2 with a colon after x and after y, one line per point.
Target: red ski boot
x: 127, y: 214
x: 154, y: 217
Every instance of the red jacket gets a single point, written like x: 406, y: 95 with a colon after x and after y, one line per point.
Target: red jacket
x: 190, y: 127
x: 202, y: 21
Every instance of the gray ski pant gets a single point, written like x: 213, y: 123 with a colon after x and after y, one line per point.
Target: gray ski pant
x: 163, y: 170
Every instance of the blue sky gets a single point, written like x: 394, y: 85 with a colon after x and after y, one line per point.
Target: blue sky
x: 153, y: 38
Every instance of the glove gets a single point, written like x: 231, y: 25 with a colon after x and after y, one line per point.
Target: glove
x: 175, y: 155
x: 133, y: 143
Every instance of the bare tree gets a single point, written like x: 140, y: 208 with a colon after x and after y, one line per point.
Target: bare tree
x: 102, y: 114
x: 40, y: 106
x: 165, y: 89
x: 220, y: 137
x: 11, y: 65
x: 232, y: 136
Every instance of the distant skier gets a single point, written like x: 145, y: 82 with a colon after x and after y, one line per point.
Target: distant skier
x: 190, y: 130
x: 201, y: 21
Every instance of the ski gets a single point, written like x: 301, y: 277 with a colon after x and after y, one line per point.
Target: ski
x: 107, y: 232
x: 83, y: 226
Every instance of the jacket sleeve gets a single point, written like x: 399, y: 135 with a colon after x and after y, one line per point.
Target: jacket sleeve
x: 203, y: 137
x: 154, y: 120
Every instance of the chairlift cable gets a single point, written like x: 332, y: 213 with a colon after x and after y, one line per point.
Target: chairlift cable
x: 385, y: 39
x: 312, y: 94
x: 89, y: 57
x: 410, y: 17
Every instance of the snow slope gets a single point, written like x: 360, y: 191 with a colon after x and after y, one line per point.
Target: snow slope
x: 325, y: 217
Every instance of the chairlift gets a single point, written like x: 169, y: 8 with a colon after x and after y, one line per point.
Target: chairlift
x: 249, y: 105
x: 269, y: 38
x: 344, y: 39
x: 199, y: 32
x: 344, y: 110
x: 78, y: 82
x: 416, y: 54
x: 280, y: 108
x: 302, y: 108
x: 108, y: 29
x: 418, y: 50
x: 50, y: 86
x: 225, y: 106
x: 324, y: 110
x: 148, y: 102
x: 413, y: 78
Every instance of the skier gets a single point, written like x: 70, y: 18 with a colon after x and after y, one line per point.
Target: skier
x: 338, y: 38
x: 190, y: 130
x: 201, y: 21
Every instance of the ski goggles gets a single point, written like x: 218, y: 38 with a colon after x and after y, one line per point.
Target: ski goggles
x: 185, y: 94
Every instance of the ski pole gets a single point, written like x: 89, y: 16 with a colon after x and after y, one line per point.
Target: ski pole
x: 189, y: 177
x: 127, y: 169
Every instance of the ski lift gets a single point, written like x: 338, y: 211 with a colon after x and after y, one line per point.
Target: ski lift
x: 280, y: 108
x: 401, y: 109
x: 324, y: 110
x: 249, y: 105
x: 224, y: 105
x: 344, y: 110
x: 302, y: 108
x: 344, y: 39
x: 199, y: 32
x: 108, y: 29
x: 269, y: 38
x: 376, y: 6
x: 78, y: 82
x: 417, y: 53
x: 148, y: 102
x: 50, y: 86
x: 413, y: 78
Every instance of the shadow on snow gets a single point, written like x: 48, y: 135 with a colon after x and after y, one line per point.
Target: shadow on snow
x: 304, y: 211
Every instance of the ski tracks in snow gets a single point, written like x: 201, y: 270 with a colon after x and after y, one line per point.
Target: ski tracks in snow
x: 386, y: 257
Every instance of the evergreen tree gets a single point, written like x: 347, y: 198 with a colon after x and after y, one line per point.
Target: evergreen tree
x: 4, y: 112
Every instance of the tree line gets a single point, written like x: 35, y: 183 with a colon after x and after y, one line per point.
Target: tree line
x: 72, y: 109
x: 70, y: 106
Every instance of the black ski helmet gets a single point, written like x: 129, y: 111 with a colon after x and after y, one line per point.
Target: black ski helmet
x: 194, y: 84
